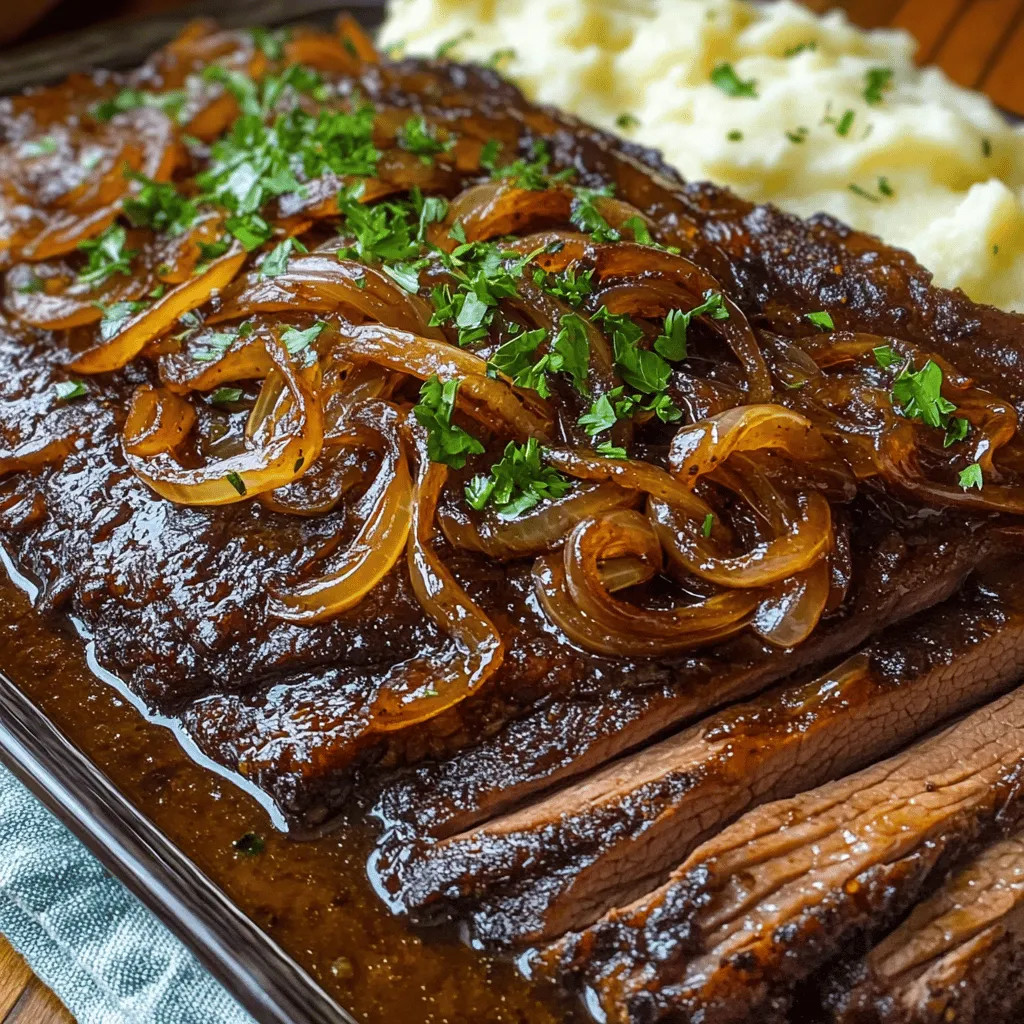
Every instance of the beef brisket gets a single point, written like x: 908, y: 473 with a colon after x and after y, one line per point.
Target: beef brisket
x: 958, y: 957
x: 561, y: 862
x: 775, y: 896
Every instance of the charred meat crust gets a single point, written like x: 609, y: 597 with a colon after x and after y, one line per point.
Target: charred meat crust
x: 775, y: 896
x: 561, y: 862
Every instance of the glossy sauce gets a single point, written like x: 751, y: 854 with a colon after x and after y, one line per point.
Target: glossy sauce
x: 312, y: 897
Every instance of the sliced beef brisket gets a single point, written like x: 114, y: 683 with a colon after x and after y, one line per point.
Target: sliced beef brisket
x: 559, y: 863
x: 775, y: 896
x: 958, y: 957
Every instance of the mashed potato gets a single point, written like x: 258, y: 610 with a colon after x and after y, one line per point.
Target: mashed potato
x: 782, y: 105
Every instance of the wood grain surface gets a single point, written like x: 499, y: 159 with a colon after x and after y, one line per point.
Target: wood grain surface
x: 978, y: 43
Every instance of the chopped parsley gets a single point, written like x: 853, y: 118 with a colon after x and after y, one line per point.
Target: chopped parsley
x: 884, y: 187
x: 517, y: 482
x: 226, y: 396
x: 971, y: 477
x: 807, y: 44
x: 709, y: 522
x: 106, y: 256
x: 276, y: 262
x: 418, y: 136
x: 46, y: 146
x: 208, y: 252
x: 296, y: 341
x: 514, y: 357
x: 611, y: 451
x: 239, y: 485
x: 640, y: 368
x: 588, y: 218
x: 735, y: 136
x: 445, y: 50
x: 862, y: 192
x: 956, y: 430
x: 484, y: 277
x: 406, y: 275
x: 116, y: 315
x: 171, y: 103
x: 160, y: 206
x: 671, y: 343
x: 433, y: 210
x: 919, y: 395
x: 256, y: 162
x: 986, y: 147
x: 214, y: 346
x: 500, y: 57
x: 627, y: 122
x: 68, y: 390
x: 381, y: 231
x: 884, y: 356
x: 876, y: 81
x: 822, y: 320
x: 724, y: 77
x: 269, y: 43
x: 569, y: 286
x: 32, y: 285
x: 532, y: 173
x: 616, y: 405
x: 799, y: 134
x: 447, y: 442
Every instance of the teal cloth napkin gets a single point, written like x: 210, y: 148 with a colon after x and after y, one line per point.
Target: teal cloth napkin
x: 104, y: 954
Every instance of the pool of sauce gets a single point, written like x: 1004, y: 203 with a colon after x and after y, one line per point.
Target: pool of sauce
x: 313, y: 897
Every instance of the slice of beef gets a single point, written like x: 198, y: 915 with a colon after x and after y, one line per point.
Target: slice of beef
x: 958, y: 957
x: 561, y: 862
x: 899, y: 571
x: 775, y: 896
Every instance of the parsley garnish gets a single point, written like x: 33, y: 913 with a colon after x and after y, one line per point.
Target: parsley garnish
x: 276, y: 262
x: 586, y: 216
x: 885, y: 357
x: 499, y: 57
x: 159, y: 205
x: 406, y: 275
x: 792, y: 51
x: 956, y: 430
x: 640, y: 368
x: 214, y: 346
x: 862, y: 192
x: 799, y: 134
x: 296, y: 341
x: 971, y: 477
x: 822, y: 320
x: 671, y: 343
x: 513, y: 357
x: 725, y: 78
x: 209, y: 251
x: 709, y: 521
x: 845, y: 123
x: 876, y: 81
x: 107, y: 256
x: 171, y: 103
x: 569, y: 286
x: 611, y: 451
x: 433, y: 210
x: 617, y: 405
x: 884, y: 187
x: 46, y: 146
x: 418, y: 136
x: 986, y: 147
x: 382, y: 231
x: 627, y: 122
x: 68, y: 390
x: 532, y: 174
x: 116, y: 316
x: 270, y: 43
x: 447, y: 443
x: 517, y: 482
x: 32, y: 285
x: 226, y: 396
x: 919, y: 395
x: 735, y: 136
x: 449, y: 45
x: 239, y: 485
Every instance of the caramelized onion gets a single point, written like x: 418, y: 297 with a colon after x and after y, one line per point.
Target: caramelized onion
x: 285, y: 436
x: 158, y: 421
x: 788, y: 616
x: 322, y: 283
x: 420, y: 689
x: 575, y: 596
x: 385, y: 511
x: 539, y: 529
x: 489, y: 400
x: 154, y: 320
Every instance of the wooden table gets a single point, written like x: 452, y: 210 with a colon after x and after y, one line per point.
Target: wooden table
x: 978, y: 43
